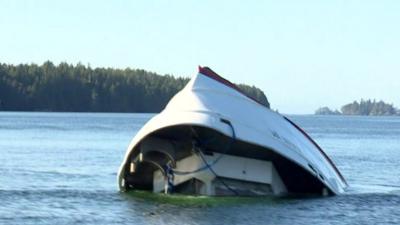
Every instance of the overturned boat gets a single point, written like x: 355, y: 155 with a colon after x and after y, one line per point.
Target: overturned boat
x: 212, y: 139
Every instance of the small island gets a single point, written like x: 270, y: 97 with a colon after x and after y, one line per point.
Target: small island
x: 326, y: 111
x: 362, y: 108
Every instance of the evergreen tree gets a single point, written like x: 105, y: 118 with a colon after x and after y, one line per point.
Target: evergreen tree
x: 80, y: 88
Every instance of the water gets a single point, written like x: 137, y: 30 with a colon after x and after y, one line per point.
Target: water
x: 60, y: 168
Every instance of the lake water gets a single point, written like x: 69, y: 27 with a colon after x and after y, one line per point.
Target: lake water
x: 60, y: 168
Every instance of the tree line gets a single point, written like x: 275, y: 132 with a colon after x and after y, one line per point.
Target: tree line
x: 363, y: 108
x: 79, y: 88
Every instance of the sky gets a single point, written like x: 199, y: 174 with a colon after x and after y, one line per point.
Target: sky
x: 302, y: 54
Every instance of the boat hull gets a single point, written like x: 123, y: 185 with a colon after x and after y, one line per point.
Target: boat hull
x: 209, y: 118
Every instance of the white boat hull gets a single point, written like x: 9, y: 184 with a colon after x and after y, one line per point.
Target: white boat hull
x: 262, y: 150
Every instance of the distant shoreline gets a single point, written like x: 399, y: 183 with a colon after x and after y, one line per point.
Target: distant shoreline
x: 78, y: 88
x: 155, y: 113
x: 362, y: 108
x: 13, y: 111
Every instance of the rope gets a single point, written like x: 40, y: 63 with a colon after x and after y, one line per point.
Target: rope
x: 169, y: 175
x: 207, y: 165
x: 198, y: 149
x: 215, y: 174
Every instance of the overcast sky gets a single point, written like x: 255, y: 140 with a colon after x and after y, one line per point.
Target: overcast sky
x: 302, y: 54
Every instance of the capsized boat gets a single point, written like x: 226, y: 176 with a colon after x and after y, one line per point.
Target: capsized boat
x: 212, y: 139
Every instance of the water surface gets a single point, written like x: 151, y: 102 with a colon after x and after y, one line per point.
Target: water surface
x: 60, y: 168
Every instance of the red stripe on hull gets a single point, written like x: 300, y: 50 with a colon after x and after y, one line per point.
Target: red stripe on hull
x: 213, y: 75
x: 318, y: 147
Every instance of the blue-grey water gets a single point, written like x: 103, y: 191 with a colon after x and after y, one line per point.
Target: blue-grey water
x: 60, y: 168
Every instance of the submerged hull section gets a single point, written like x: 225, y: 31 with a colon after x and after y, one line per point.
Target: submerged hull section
x: 213, y: 140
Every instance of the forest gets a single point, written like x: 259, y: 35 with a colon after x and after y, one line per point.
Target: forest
x: 363, y: 108
x: 79, y: 88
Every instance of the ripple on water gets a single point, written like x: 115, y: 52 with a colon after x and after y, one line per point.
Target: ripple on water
x: 60, y: 168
